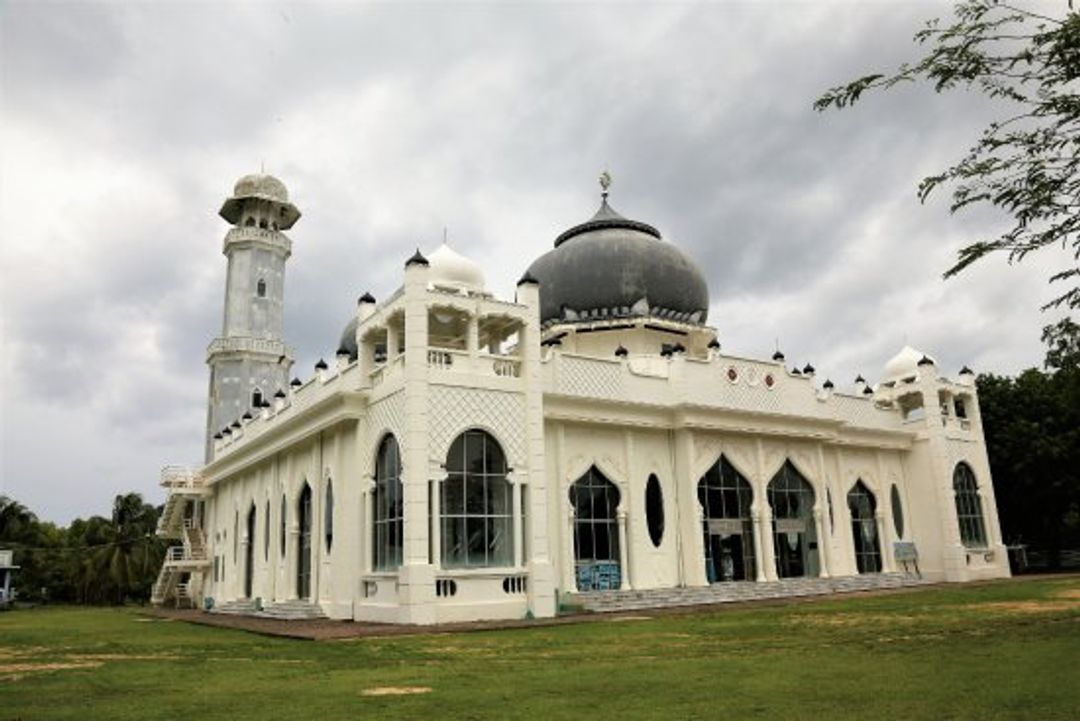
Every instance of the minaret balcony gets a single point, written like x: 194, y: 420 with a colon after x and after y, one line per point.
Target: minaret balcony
x: 276, y: 348
x: 251, y: 235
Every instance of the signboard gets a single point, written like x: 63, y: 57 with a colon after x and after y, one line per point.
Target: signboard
x: 904, y: 551
x: 791, y: 525
x: 725, y: 527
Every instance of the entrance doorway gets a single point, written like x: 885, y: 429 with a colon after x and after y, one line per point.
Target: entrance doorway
x: 595, y: 501
x: 303, y: 559
x: 794, y: 531
x: 864, y: 528
x: 725, y: 497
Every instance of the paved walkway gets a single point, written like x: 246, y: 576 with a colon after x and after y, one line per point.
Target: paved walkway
x: 329, y: 630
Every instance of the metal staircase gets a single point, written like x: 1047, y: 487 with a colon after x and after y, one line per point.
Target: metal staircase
x: 185, y: 563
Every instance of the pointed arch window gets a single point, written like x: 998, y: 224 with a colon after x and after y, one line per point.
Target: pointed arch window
x: 388, y: 519
x: 725, y: 497
x: 284, y: 513
x: 795, y: 538
x: 969, y: 507
x: 864, y: 533
x: 260, y: 288
x: 477, y: 512
x: 328, y: 515
x: 256, y: 399
x: 595, y: 501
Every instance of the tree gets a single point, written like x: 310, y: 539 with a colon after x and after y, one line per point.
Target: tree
x: 1032, y: 428
x: 1027, y: 163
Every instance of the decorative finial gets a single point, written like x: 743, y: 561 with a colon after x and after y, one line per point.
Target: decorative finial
x: 444, y: 235
x: 605, y: 182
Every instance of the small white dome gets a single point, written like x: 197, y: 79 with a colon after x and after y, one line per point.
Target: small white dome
x: 904, y: 364
x: 450, y: 269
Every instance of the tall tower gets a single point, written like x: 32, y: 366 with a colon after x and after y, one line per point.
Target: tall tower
x: 249, y: 361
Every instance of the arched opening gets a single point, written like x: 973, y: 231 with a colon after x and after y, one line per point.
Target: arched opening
x: 968, y: 507
x: 725, y: 497
x: 794, y: 531
x: 654, y: 510
x: 249, y: 553
x: 864, y: 533
x: 595, y: 501
x: 250, y: 222
x: 388, y: 521
x: 256, y: 399
x: 303, y: 558
x: 284, y: 513
x: 263, y: 224
x: 477, y: 512
x: 328, y: 516
x: 260, y: 288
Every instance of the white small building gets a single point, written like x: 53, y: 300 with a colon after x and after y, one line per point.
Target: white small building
x: 7, y: 571
x: 470, y: 457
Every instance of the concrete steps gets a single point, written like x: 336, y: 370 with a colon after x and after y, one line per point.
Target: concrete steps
x: 283, y: 610
x: 292, y: 611
x: 738, y: 591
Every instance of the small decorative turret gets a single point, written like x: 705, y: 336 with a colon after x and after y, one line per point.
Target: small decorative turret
x: 778, y: 356
x: 417, y: 258
x: 621, y: 352
x: 828, y: 385
x: 808, y: 370
x: 321, y: 365
x: 296, y: 383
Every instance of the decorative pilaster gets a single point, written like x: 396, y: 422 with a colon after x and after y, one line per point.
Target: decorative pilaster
x: 823, y: 554
x: 624, y: 563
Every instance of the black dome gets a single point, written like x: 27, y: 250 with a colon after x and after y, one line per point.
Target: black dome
x: 347, y: 344
x: 610, y: 266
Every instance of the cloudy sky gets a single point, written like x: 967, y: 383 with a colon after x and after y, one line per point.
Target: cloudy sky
x: 124, y: 126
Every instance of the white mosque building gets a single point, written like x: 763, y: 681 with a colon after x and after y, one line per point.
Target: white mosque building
x: 468, y: 457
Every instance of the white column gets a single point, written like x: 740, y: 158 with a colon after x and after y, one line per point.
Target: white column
x: 822, y: 544
x: 569, y: 556
x: 624, y: 564
x: 472, y: 337
x: 367, y: 533
x: 515, y: 492
x: 768, y: 546
x: 759, y: 550
x: 887, y: 563
x: 436, y: 521
x: 292, y: 551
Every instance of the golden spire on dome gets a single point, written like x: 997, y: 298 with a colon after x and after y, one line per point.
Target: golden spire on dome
x: 605, y: 182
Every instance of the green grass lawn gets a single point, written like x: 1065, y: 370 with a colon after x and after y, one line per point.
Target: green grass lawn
x: 997, y: 651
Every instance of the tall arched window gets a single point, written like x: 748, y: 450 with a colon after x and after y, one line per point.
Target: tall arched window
x: 477, y: 524
x: 284, y: 513
x: 388, y: 523
x: 794, y: 531
x: 725, y: 498
x: 303, y: 556
x: 595, y: 501
x: 968, y: 507
x: 328, y: 515
x: 864, y: 534
x: 249, y: 552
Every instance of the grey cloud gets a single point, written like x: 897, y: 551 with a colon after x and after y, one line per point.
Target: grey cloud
x: 388, y: 122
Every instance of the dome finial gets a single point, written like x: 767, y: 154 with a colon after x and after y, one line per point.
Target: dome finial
x: 605, y: 183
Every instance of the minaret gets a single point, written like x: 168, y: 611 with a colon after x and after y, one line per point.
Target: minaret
x: 249, y: 361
